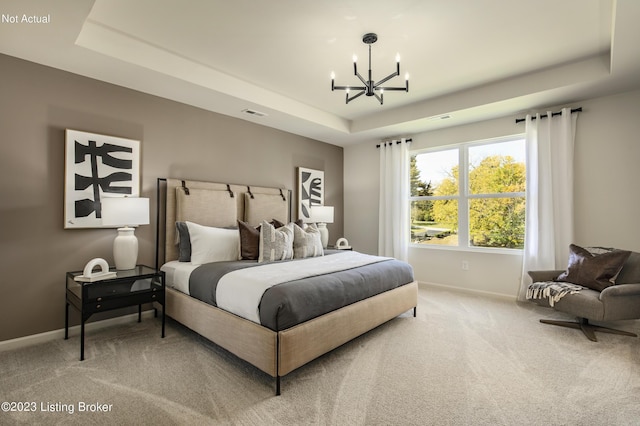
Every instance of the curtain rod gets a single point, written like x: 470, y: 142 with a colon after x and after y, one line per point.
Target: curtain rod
x: 397, y: 142
x: 553, y: 114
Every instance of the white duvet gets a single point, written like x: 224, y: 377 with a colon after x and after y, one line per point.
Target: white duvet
x: 240, y: 291
x: 177, y: 274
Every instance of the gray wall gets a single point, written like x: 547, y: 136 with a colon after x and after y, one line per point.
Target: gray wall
x: 38, y: 103
x: 607, y: 206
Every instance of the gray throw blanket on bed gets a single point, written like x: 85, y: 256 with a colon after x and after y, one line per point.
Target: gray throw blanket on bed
x: 552, y: 290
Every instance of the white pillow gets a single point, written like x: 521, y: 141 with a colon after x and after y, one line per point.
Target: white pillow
x: 210, y: 244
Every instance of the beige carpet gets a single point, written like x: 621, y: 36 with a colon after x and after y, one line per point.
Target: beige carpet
x: 465, y: 360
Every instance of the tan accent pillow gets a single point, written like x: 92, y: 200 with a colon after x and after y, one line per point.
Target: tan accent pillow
x: 596, y: 272
x: 306, y: 242
x: 275, y: 244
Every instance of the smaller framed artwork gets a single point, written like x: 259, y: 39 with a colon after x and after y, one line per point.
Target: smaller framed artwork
x: 97, y: 166
x: 310, y: 191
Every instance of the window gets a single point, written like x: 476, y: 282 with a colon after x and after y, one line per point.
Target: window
x: 470, y: 195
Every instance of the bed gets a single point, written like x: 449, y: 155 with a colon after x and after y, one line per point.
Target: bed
x: 286, y: 338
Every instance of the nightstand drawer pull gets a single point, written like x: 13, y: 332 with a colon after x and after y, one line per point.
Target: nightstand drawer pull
x: 153, y: 296
x: 99, y: 299
x: 98, y: 306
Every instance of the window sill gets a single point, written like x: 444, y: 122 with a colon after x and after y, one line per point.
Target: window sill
x: 517, y: 252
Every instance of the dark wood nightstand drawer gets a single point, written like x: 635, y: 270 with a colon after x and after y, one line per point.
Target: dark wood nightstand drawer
x: 124, y: 287
x: 108, y: 303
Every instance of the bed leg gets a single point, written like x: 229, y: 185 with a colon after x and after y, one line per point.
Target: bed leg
x: 415, y: 308
x: 278, y: 386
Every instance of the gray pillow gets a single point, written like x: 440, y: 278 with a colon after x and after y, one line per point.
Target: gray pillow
x: 184, y: 242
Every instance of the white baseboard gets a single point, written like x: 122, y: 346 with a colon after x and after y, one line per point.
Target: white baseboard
x: 48, y: 336
x: 425, y: 284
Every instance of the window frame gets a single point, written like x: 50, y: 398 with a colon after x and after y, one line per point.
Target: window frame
x: 464, y: 196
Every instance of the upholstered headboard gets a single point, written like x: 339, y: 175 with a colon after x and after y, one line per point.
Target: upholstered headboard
x: 215, y: 204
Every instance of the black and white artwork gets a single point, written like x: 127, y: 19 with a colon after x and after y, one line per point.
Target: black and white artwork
x: 310, y: 191
x: 97, y: 166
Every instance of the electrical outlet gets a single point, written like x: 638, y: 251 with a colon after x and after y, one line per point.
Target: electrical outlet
x: 465, y: 265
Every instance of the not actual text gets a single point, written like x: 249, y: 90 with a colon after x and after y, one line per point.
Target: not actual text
x: 25, y: 19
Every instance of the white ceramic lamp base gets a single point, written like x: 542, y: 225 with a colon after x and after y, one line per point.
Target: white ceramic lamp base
x: 324, y: 234
x: 125, y: 249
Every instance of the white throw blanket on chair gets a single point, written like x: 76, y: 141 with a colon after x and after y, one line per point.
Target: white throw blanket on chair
x: 552, y: 290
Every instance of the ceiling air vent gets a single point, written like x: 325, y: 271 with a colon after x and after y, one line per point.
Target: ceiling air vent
x: 254, y: 112
x: 439, y: 117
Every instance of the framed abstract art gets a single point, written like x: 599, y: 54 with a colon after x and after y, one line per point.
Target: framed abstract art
x: 97, y: 166
x: 310, y: 191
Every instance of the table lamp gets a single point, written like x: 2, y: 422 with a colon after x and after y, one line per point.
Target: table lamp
x: 125, y: 212
x: 322, y: 215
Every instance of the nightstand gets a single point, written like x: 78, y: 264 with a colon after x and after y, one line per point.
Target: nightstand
x: 131, y: 287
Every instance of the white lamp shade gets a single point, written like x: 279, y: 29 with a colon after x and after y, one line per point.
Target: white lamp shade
x: 321, y: 214
x: 123, y: 211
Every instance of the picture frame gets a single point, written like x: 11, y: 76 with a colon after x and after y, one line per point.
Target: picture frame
x: 97, y: 166
x: 310, y: 191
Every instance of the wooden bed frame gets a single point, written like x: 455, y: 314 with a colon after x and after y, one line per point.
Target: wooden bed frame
x: 275, y: 353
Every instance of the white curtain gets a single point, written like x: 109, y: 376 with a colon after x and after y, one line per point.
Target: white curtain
x: 549, y: 213
x: 393, y: 232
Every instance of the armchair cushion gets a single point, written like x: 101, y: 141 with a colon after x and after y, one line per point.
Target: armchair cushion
x: 596, y: 272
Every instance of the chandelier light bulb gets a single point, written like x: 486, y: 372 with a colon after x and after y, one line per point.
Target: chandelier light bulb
x: 355, y: 58
x: 406, y: 76
x: 333, y: 75
x: 397, y: 57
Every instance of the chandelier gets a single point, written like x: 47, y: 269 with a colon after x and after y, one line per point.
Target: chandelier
x: 370, y: 88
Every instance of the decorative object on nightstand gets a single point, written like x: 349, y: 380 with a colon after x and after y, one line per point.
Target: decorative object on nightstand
x: 322, y: 215
x: 135, y: 286
x: 89, y: 275
x: 125, y: 212
x: 342, y: 244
